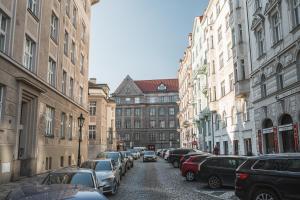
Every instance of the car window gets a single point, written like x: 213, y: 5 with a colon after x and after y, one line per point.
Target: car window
x: 200, y: 159
x: 230, y: 163
x: 103, y: 165
x: 294, y: 165
x: 88, y: 165
x: 78, y: 178
x: 275, y: 165
x: 212, y: 163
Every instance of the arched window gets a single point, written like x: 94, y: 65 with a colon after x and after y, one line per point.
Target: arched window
x: 263, y: 86
x: 224, y: 117
x: 233, y: 116
x: 279, y: 77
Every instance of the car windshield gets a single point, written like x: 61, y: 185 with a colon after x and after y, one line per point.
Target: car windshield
x: 113, y: 155
x: 103, y: 166
x: 149, y: 153
x: 128, y: 154
x: 76, y: 178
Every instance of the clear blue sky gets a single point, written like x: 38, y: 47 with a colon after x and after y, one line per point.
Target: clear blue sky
x: 142, y: 38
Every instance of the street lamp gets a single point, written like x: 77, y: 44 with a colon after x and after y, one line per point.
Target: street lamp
x: 80, y: 124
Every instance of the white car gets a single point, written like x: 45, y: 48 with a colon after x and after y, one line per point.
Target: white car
x: 167, y: 155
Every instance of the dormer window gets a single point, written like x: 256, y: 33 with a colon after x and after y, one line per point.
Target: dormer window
x: 162, y: 87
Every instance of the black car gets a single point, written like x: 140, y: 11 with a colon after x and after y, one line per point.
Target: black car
x: 55, y: 191
x: 187, y: 156
x: 273, y: 177
x: 175, y: 155
x: 219, y: 171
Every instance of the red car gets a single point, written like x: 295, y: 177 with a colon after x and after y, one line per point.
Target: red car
x: 189, y: 168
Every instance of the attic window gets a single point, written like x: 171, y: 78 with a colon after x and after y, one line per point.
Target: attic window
x: 162, y: 87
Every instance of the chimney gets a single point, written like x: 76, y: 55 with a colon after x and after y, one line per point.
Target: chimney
x: 93, y: 80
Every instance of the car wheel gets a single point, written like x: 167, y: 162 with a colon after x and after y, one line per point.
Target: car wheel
x: 264, y: 194
x: 114, y: 188
x: 214, y: 182
x: 175, y: 164
x: 190, y: 176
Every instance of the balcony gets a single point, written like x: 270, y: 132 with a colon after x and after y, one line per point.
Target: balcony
x: 242, y: 88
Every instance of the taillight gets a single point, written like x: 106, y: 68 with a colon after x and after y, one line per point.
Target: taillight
x: 242, y: 176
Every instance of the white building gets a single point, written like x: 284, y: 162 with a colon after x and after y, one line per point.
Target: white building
x: 275, y: 73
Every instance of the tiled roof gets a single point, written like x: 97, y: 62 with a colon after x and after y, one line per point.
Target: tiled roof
x: 151, y: 86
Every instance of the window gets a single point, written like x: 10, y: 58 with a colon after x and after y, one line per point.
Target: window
x: 71, y: 86
x: 70, y: 127
x: 33, y: 6
x: 233, y: 116
x: 127, y: 137
x: 69, y: 160
x: 118, y: 124
x: 235, y: 72
x: 172, y: 124
x: 92, y: 132
x: 152, y: 99
x: 218, y: 9
x: 152, y: 124
x: 214, y: 94
x: 73, y: 52
x: 118, y: 100
x: 127, y: 123
x: 240, y: 32
x: 119, y: 112
x: 74, y: 17
x: 276, y: 27
x: 62, y: 125
x: 1, y: 100
x: 227, y: 21
x: 226, y: 152
x: 61, y: 161
x: 224, y: 119
x: 233, y: 37
x: 213, y: 70
x: 48, y: 165
x: 49, y: 121
x: 162, y: 124
x: 246, y: 111
x: 257, y: 4
x: 29, y: 54
x: 137, y: 124
x: 217, y: 122
x: 3, y: 31
x: 263, y: 86
x: 93, y: 105
x: 137, y: 112
x: 137, y: 100
x: 222, y: 88
x: 128, y: 111
x: 54, y: 27
x: 67, y: 7
x: 83, y: 32
x: 279, y: 77
x: 221, y: 61
x: 137, y: 136
x: 64, y: 83
x: 66, y: 43
x: 211, y: 42
x: 172, y: 111
x: 162, y: 136
x: 52, y: 72
x: 172, y: 136
x: 231, y: 82
x: 236, y: 147
x: 152, y: 111
x: 152, y: 136
x: 229, y: 50
x: 296, y: 12
x: 127, y: 100
x: 243, y: 73
x: 81, y: 95
x: 220, y: 33
x: 161, y: 111
x: 81, y: 63
x: 260, y: 42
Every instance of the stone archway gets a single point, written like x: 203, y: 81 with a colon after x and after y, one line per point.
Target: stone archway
x: 286, y: 132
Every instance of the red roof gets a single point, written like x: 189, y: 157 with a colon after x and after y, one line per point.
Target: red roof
x: 150, y: 86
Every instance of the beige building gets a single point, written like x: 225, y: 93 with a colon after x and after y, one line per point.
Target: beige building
x: 43, y: 84
x: 102, y: 132
x: 186, y: 113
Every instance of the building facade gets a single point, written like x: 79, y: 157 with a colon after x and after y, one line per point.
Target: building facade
x: 44, y: 47
x: 102, y: 132
x: 146, y: 113
x: 275, y: 73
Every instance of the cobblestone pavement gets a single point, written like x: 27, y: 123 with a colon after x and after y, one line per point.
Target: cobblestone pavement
x: 160, y: 180
x: 6, y: 188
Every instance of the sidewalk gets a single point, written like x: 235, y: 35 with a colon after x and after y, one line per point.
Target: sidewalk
x: 7, y: 187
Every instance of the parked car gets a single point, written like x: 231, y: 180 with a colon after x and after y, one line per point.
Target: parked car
x: 190, y: 167
x: 126, y: 160
x: 134, y: 153
x: 149, y: 156
x: 74, y: 176
x: 163, y: 153
x: 187, y: 156
x: 128, y: 154
x: 219, y: 171
x: 106, y: 172
x: 175, y: 155
x: 55, y: 191
x: 273, y: 177
x: 118, y: 158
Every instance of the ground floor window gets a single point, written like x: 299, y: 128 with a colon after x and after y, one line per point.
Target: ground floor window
x: 248, y: 146
x: 269, y: 143
x: 288, y: 141
x: 225, y: 146
x: 235, y: 147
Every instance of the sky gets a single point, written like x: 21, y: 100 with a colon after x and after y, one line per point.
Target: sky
x: 141, y: 38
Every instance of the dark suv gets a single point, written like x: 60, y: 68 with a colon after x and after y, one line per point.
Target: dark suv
x: 219, y: 171
x: 175, y: 155
x: 269, y: 177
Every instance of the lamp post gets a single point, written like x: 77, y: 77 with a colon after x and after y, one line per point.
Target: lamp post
x: 80, y: 124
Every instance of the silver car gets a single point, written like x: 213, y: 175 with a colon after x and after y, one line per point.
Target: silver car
x: 106, y: 172
x: 149, y: 156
